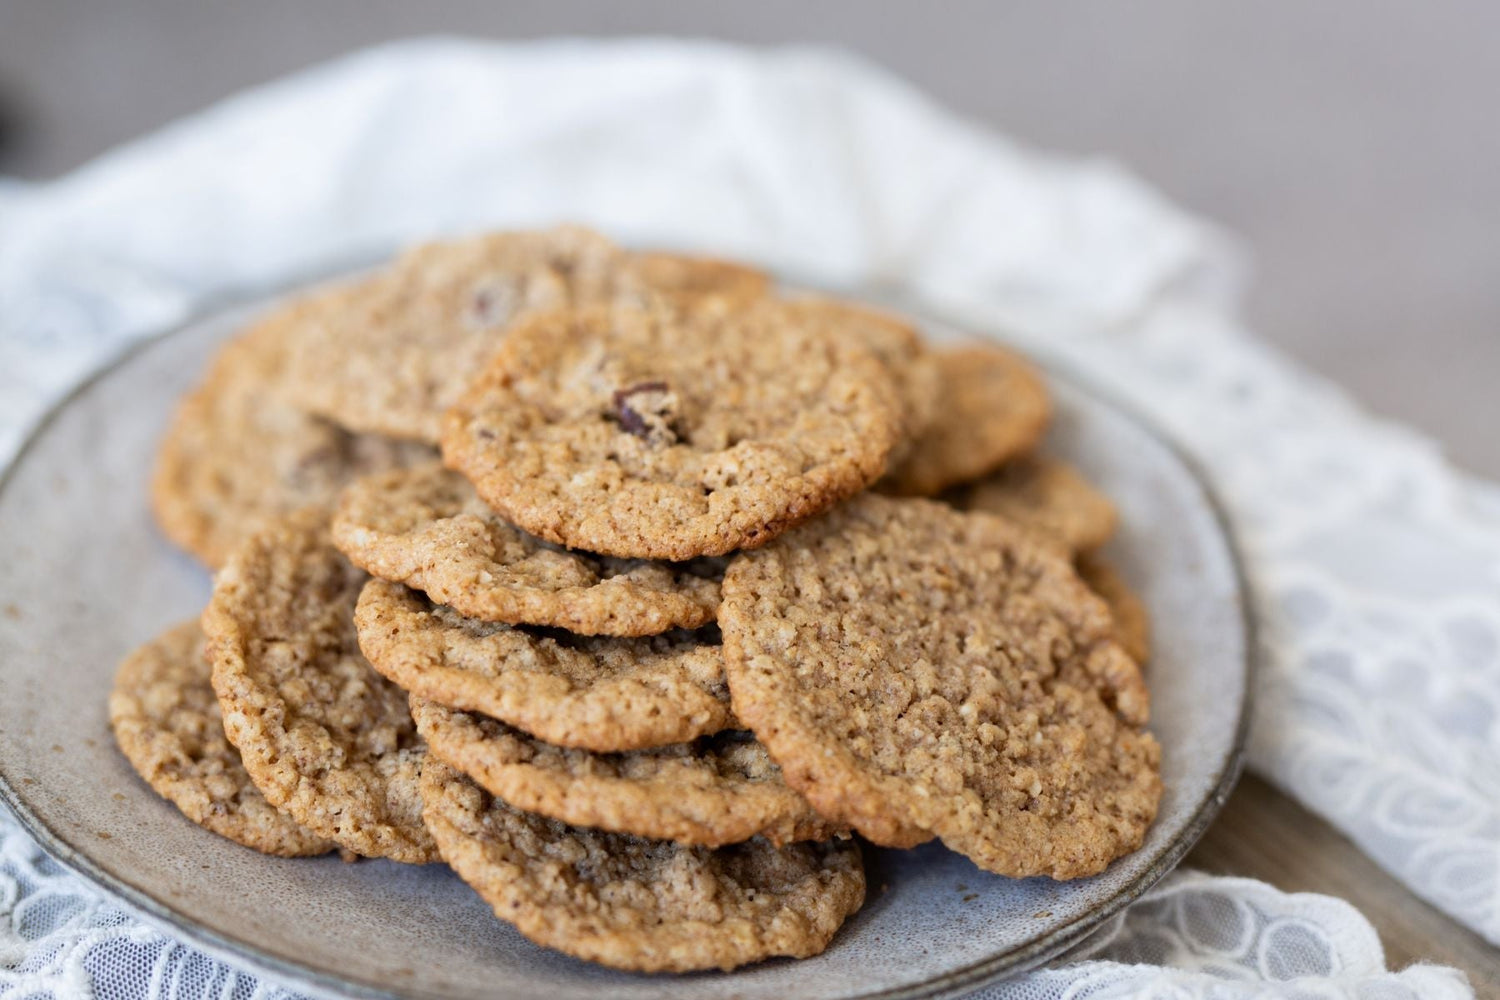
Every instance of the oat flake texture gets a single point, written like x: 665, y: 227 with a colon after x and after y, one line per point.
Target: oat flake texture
x: 324, y: 737
x: 919, y: 671
x: 593, y: 692
x: 167, y: 723
x: 426, y: 527
x: 643, y: 905
x: 719, y: 789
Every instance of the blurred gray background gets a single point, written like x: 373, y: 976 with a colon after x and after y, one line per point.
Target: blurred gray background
x: 1352, y: 145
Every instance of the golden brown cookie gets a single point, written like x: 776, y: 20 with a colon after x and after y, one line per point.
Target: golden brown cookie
x: 166, y: 721
x: 324, y: 737
x: 694, y: 282
x: 1048, y: 497
x: 417, y: 331
x: 1132, y: 620
x: 593, y: 692
x: 720, y: 789
x: 993, y: 407
x: 238, y: 452
x: 637, y: 904
x: 426, y: 527
x: 652, y: 434
x: 916, y: 670
x: 915, y: 371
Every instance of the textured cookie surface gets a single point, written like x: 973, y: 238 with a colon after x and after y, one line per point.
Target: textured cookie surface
x: 638, y: 904
x: 916, y: 670
x: 166, y: 721
x: 1049, y: 497
x: 720, y: 789
x: 427, y: 528
x: 915, y: 371
x: 324, y: 737
x: 417, y: 331
x: 651, y: 434
x: 594, y: 692
x: 683, y: 281
x: 993, y: 407
x: 238, y: 451
x: 1132, y: 620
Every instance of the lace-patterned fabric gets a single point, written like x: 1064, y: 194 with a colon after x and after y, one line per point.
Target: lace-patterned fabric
x: 1193, y: 936
x: 1375, y: 569
x: 1200, y: 936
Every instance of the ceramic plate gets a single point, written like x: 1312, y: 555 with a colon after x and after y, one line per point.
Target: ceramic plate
x: 85, y: 577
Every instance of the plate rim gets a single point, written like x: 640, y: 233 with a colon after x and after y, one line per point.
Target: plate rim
x: 248, y: 957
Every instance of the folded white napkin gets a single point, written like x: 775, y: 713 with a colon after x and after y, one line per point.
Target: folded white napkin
x: 1375, y: 569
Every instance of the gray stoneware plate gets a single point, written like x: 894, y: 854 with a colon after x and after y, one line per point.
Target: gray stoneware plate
x: 84, y: 577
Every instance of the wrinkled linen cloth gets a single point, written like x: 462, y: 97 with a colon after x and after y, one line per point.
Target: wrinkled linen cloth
x: 1375, y: 568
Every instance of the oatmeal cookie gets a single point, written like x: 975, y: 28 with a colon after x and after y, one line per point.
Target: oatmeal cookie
x: 637, y: 904
x: 324, y: 737
x: 593, y: 692
x: 993, y: 407
x: 238, y: 451
x: 166, y: 721
x: 1132, y: 620
x: 918, y: 671
x: 915, y: 371
x: 650, y: 434
x: 688, y: 281
x: 1049, y: 497
x: 720, y: 789
x: 426, y: 527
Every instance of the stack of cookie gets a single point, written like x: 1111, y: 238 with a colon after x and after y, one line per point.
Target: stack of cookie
x: 670, y: 620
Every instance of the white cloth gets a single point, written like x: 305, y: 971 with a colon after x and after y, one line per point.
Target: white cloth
x: 1375, y: 568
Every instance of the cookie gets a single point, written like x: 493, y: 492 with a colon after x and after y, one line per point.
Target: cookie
x: 720, y: 789
x: 898, y: 344
x: 426, y: 527
x: 920, y: 383
x: 1049, y: 497
x: 917, y: 671
x: 993, y: 407
x: 1132, y: 620
x: 166, y: 721
x: 650, y: 434
x: 417, y: 331
x: 239, y: 452
x: 593, y: 692
x: 637, y: 904
x: 691, y: 282
x: 324, y: 737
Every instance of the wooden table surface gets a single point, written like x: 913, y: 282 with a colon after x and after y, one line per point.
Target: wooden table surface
x: 1351, y: 145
